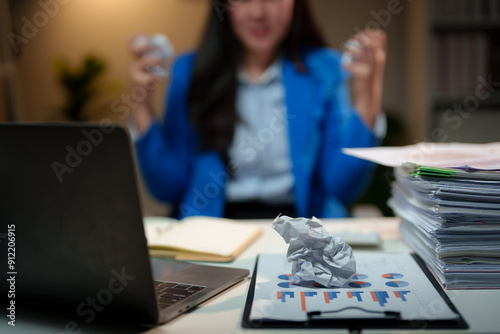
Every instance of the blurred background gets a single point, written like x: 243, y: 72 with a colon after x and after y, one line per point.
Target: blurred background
x: 67, y: 60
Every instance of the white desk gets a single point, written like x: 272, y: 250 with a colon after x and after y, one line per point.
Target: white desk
x: 222, y: 314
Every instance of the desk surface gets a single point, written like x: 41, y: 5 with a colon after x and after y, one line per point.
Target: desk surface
x: 222, y: 314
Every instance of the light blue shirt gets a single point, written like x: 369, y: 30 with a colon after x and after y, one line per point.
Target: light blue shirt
x: 260, y: 152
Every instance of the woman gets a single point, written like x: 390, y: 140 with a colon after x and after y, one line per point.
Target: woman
x: 257, y: 117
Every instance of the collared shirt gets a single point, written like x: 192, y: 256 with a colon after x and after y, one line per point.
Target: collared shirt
x: 260, y: 152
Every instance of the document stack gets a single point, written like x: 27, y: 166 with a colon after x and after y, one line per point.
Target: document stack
x: 448, y: 198
x: 451, y: 218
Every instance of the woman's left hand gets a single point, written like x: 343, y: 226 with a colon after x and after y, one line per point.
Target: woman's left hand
x: 367, y: 70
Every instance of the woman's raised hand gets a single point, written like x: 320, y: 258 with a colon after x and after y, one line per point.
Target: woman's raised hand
x: 147, y: 71
x: 366, y: 61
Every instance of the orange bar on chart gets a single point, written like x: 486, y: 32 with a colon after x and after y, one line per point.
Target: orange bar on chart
x: 303, y: 300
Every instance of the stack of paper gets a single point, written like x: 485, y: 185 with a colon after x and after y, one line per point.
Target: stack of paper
x: 451, y: 218
x: 450, y: 212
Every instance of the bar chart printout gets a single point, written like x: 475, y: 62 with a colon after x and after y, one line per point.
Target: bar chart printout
x: 384, y: 282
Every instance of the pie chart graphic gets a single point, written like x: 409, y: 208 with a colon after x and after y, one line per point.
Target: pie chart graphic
x: 397, y: 284
x: 359, y: 276
x: 359, y: 284
x: 392, y: 276
x: 286, y: 285
x: 317, y: 285
x: 286, y: 277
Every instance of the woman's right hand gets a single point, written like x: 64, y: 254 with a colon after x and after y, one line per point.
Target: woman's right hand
x: 144, y: 80
x: 368, y: 72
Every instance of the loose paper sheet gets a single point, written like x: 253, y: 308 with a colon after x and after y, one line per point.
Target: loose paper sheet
x: 383, y: 282
x: 477, y: 156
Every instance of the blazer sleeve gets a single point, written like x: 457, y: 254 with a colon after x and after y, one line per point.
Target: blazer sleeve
x: 164, y: 151
x: 342, y: 176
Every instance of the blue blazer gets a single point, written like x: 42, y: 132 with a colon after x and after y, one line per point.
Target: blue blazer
x: 321, y: 122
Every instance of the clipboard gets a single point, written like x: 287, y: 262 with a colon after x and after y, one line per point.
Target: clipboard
x: 388, y: 321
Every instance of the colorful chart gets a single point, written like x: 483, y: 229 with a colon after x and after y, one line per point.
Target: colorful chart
x: 397, y: 284
x: 392, y: 276
x: 380, y: 296
x: 359, y: 284
x: 359, y: 276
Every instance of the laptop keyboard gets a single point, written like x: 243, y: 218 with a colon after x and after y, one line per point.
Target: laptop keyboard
x: 169, y: 293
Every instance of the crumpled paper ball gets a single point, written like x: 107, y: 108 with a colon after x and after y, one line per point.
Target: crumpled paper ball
x: 315, y: 255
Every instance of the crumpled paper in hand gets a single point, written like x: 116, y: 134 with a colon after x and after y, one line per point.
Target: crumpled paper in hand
x: 314, y: 254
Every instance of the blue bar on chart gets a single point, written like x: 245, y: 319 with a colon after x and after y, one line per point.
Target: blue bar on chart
x: 380, y: 297
x: 329, y: 295
x: 303, y: 295
x: 401, y: 294
x: 282, y: 295
x: 355, y: 294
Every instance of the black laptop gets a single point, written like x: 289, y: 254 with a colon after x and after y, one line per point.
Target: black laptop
x: 72, y: 234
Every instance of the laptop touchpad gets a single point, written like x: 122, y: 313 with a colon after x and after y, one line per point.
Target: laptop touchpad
x: 165, y: 267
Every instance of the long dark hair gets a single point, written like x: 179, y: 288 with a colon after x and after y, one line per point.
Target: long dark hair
x: 212, y: 94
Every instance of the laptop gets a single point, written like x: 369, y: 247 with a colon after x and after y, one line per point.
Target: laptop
x: 72, y: 232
